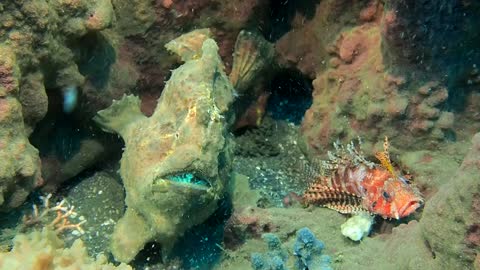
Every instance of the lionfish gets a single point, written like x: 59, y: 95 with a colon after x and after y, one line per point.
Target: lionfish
x: 348, y: 183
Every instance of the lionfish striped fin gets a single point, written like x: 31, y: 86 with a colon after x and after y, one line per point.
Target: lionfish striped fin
x: 313, y: 169
x: 341, y: 201
x: 347, y: 155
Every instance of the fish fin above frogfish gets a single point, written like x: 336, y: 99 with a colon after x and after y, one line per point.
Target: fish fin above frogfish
x: 384, y: 158
x: 252, y: 55
x: 336, y: 199
x: 122, y: 113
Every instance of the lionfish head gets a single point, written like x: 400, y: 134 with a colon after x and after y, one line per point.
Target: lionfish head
x: 398, y: 199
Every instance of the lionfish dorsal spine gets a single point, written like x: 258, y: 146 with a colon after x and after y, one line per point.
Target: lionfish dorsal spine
x: 384, y: 158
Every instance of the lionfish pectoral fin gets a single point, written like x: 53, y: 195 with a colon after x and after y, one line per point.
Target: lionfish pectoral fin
x: 346, y: 209
x: 338, y: 200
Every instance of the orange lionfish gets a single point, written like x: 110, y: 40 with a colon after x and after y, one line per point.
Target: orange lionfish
x: 349, y: 183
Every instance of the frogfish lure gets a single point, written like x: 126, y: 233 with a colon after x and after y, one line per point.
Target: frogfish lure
x: 348, y: 183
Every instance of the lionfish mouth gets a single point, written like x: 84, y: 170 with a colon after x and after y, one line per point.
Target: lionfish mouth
x: 410, y: 208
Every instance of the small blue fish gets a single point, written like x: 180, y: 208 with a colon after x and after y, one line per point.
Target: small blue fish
x: 70, y: 97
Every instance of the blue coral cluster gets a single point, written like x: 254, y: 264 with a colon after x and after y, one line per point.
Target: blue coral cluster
x: 307, y: 251
x: 274, y: 259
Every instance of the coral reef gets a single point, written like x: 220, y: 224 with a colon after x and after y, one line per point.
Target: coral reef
x: 307, y: 250
x: 306, y: 46
x: 186, y: 135
x: 284, y: 222
x: 434, y: 40
x: 43, y: 36
x: 379, y: 69
x: 45, y: 250
x: 451, y: 217
x: 370, y: 101
x: 274, y: 259
x: 62, y: 220
x: 38, y: 55
x: 404, y: 70
x: 246, y: 223
x: 20, y: 166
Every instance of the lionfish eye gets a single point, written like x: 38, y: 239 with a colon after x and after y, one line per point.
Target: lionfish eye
x: 386, y: 195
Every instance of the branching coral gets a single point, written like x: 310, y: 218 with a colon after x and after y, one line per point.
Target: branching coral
x: 43, y: 250
x: 60, y: 223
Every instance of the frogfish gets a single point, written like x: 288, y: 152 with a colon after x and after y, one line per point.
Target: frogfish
x: 348, y: 183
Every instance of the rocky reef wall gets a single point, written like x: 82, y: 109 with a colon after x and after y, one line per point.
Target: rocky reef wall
x: 385, y: 69
x: 38, y: 55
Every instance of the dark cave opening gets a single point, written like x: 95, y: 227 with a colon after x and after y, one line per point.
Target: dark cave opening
x: 282, y: 14
x: 95, y: 57
x: 291, y: 96
x: 57, y: 133
x: 61, y: 137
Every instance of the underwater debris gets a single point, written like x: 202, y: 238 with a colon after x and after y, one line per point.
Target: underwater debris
x: 348, y: 183
x: 358, y: 226
x: 308, y: 252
